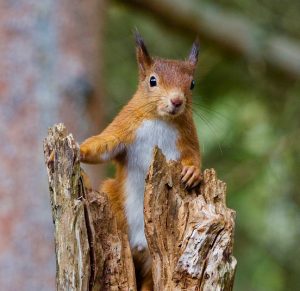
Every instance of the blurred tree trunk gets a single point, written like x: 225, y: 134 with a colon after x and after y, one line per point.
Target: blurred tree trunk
x: 189, y: 234
x: 49, y: 71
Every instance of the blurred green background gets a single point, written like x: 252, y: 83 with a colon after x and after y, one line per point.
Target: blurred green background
x: 248, y: 122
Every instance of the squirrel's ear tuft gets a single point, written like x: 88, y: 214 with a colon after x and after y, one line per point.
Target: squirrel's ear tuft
x: 143, y: 58
x: 193, y: 57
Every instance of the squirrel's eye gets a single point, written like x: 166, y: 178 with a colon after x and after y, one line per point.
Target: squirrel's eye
x: 153, y: 81
x: 192, y: 85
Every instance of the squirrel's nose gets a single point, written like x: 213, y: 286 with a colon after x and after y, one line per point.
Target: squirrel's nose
x: 176, y: 102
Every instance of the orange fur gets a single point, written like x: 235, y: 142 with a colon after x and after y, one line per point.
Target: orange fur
x: 174, y: 79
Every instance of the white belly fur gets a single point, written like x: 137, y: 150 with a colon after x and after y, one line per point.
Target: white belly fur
x: 149, y: 134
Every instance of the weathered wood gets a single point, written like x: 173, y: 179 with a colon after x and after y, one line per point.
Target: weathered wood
x: 189, y: 233
x: 114, y: 265
x: 91, y: 254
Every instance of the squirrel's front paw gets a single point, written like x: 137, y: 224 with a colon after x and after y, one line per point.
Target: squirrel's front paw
x: 191, y: 176
x: 83, y: 153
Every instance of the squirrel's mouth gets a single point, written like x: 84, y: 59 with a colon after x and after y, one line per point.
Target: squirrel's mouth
x: 171, y: 112
x: 174, y: 111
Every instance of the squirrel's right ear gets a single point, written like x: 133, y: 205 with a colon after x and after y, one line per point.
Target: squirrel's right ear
x: 193, y: 57
x: 143, y: 58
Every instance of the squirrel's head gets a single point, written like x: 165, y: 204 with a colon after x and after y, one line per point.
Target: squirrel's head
x: 167, y: 84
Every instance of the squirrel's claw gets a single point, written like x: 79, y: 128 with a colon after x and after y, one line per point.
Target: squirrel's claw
x: 190, y: 176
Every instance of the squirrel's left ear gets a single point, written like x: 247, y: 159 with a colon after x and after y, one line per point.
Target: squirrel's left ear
x: 193, y: 57
x: 143, y: 58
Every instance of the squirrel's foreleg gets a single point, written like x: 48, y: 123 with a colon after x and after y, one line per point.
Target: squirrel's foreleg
x: 100, y: 148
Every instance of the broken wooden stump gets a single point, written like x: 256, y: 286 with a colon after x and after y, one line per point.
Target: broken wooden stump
x: 91, y: 253
x: 189, y: 233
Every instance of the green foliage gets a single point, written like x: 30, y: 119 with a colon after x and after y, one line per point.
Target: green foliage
x: 248, y: 124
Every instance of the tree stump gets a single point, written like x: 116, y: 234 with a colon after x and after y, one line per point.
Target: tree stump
x: 189, y: 233
x: 91, y: 253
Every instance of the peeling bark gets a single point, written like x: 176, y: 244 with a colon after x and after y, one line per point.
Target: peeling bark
x: 189, y: 233
x: 91, y: 253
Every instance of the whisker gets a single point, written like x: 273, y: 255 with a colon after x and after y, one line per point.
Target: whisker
x: 203, y: 107
x: 210, y: 126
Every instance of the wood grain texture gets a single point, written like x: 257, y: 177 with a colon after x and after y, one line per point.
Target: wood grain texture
x: 91, y: 253
x: 189, y: 233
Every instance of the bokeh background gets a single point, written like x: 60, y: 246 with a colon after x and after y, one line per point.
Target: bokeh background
x: 73, y: 61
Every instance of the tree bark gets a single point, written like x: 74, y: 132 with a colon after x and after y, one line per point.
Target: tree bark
x: 189, y: 233
x: 91, y: 253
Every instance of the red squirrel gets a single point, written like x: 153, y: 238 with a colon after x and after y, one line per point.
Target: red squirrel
x: 159, y: 114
